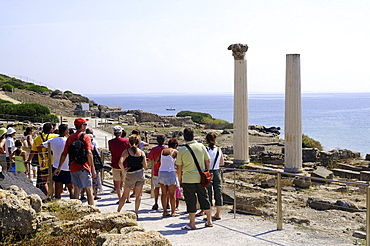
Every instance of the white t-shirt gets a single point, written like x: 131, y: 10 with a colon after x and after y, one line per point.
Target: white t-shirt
x: 57, y: 146
x: 9, y: 142
x: 212, y: 153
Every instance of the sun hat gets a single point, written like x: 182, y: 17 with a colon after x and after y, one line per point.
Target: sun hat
x: 117, y: 129
x: 2, y: 131
x: 10, y: 131
x: 80, y: 122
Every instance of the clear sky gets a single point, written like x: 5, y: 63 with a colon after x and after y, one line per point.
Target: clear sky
x: 119, y: 46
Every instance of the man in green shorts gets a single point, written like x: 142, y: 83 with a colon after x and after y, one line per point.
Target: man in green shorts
x: 189, y: 177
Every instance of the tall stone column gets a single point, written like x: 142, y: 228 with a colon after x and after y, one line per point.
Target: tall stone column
x: 293, y: 115
x: 241, y: 139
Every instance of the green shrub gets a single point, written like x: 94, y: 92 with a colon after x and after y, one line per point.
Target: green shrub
x: 37, y: 88
x: 8, y: 87
x: 27, y: 111
x: 308, y: 142
x: 197, y: 117
x: 207, y: 119
x: 56, y: 92
x: 6, y: 108
x: 4, y: 101
x: 16, y: 84
x: 49, y: 118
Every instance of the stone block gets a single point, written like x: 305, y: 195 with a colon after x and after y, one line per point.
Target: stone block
x: 310, y: 154
x: 322, y: 172
x: 349, y: 167
x: 346, y: 174
x: 365, y: 175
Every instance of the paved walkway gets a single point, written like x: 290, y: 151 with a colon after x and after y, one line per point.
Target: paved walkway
x: 243, y: 230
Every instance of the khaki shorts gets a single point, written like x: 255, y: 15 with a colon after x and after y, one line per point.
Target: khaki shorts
x: 134, y: 179
x: 118, y: 175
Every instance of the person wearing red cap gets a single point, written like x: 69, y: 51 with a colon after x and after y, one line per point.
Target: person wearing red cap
x: 81, y: 174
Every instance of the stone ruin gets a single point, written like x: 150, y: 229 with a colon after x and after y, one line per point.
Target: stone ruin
x: 131, y: 117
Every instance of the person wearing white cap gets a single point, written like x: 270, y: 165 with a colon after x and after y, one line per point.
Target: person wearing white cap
x: 9, y: 147
x: 3, y: 164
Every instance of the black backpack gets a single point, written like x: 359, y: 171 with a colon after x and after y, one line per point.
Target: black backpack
x: 77, y: 151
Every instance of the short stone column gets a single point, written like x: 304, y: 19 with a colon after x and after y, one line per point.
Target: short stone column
x: 241, y: 139
x: 293, y: 115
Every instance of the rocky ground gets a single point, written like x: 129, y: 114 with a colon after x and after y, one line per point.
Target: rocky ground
x: 254, y: 199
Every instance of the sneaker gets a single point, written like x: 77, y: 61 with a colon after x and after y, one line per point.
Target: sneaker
x: 97, y: 198
x: 168, y: 206
x: 155, y: 207
x: 83, y: 198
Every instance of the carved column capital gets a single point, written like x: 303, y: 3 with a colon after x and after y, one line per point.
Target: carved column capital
x: 238, y: 50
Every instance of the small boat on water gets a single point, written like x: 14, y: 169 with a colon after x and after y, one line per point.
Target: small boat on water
x: 170, y: 108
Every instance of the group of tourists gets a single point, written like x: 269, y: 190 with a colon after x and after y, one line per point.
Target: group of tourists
x: 67, y: 174
x: 174, y: 170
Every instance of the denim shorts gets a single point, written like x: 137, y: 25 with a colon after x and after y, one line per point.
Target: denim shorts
x: 81, y: 178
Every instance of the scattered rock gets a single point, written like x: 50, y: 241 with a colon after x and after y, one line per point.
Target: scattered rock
x: 268, y: 183
x: 319, y: 204
x: 226, y: 132
x: 299, y: 221
x: 326, y: 205
x: 301, y: 182
x: 359, y: 234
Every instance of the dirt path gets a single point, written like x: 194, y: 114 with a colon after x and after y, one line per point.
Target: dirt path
x: 5, y: 97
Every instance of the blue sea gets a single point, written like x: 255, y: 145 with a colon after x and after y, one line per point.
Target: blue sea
x: 337, y: 120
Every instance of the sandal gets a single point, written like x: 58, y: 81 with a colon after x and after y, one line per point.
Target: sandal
x: 175, y: 215
x: 216, y: 217
x: 187, y: 227
x: 208, y: 225
x: 201, y: 213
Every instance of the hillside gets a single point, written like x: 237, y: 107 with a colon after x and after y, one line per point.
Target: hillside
x: 59, y: 103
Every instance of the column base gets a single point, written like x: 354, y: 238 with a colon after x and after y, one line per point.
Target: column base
x: 240, y: 162
x: 293, y: 170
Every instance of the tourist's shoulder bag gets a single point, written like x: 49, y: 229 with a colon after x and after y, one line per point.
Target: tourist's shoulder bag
x: 205, y: 176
